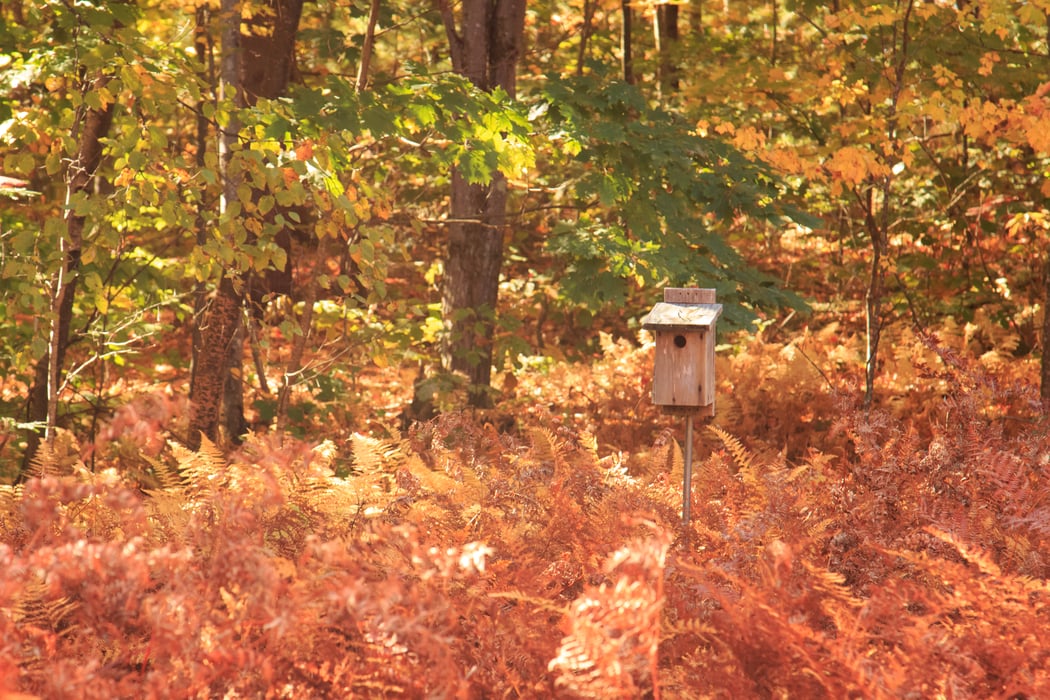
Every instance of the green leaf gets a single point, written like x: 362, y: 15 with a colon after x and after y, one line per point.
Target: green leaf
x: 266, y: 204
x: 474, y: 167
x: 278, y: 257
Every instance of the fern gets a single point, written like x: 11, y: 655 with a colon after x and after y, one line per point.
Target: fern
x: 541, y: 604
x: 61, y: 456
x: 35, y: 606
x: 897, y: 553
x: 741, y: 454
x: 202, y: 470
x: 44, y: 620
x: 10, y: 495
x: 547, y: 450
x: 614, y: 629
x: 665, y: 457
x: 168, y: 477
x: 374, y: 455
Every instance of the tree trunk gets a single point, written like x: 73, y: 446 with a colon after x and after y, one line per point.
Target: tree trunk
x: 267, y: 63
x: 879, y: 228
x: 666, y: 30
x: 1044, y: 387
x: 205, y: 50
x: 255, y: 65
x: 218, y: 331
x: 626, y: 45
x: 367, y: 47
x: 42, y: 406
x: 773, y: 35
x: 585, y: 35
x: 218, y: 325
x: 471, y: 283
x: 293, y: 372
x: 873, y: 297
x: 485, y: 48
x: 696, y: 16
x: 233, y: 389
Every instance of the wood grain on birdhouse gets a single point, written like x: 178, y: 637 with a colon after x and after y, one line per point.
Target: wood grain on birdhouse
x: 683, y: 326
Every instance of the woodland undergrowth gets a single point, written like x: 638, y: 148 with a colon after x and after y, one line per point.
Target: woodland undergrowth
x: 833, y: 552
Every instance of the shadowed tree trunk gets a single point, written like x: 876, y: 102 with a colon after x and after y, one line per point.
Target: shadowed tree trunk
x: 367, y: 46
x: 203, y: 46
x: 879, y: 219
x: 268, y: 50
x: 696, y: 16
x: 42, y: 407
x: 586, y: 30
x: 665, y: 28
x: 873, y: 312
x: 485, y: 45
x: 626, y: 45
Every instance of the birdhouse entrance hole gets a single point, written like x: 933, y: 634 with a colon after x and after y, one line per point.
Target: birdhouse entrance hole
x: 679, y: 341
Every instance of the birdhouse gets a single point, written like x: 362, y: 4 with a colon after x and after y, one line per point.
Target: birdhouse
x: 684, y: 369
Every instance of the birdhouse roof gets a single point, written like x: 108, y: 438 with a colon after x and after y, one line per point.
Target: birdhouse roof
x: 685, y: 317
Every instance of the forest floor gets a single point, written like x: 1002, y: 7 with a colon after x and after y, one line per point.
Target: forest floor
x: 536, y: 549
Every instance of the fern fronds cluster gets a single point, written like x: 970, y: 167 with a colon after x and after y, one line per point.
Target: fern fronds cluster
x: 614, y: 629
x: 833, y: 552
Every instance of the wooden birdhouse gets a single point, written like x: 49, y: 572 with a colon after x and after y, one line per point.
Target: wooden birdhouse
x: 684, y: 367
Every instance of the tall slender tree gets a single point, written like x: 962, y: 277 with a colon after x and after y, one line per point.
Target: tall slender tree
x: 222, y: 315
x: 586, y: 29
x: 90, y: 128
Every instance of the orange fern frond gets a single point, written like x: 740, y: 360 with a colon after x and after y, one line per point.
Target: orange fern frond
x: 743, y: 457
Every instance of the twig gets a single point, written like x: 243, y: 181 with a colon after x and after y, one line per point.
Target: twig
x: 815, y: 366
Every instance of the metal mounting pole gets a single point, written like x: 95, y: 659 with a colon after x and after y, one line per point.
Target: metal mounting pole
x: 687, y: 485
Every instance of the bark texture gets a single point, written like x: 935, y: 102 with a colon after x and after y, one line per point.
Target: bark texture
x: 485, y: 45
x: 258, y: 61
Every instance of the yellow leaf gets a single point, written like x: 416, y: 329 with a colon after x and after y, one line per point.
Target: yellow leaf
x: 749, y: 138
x: 988, y: 61
x: 785, y: 160
x: 853, y: 165
x: 125, y: 177
x: 725, y: 128
x: 1038, y: 134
